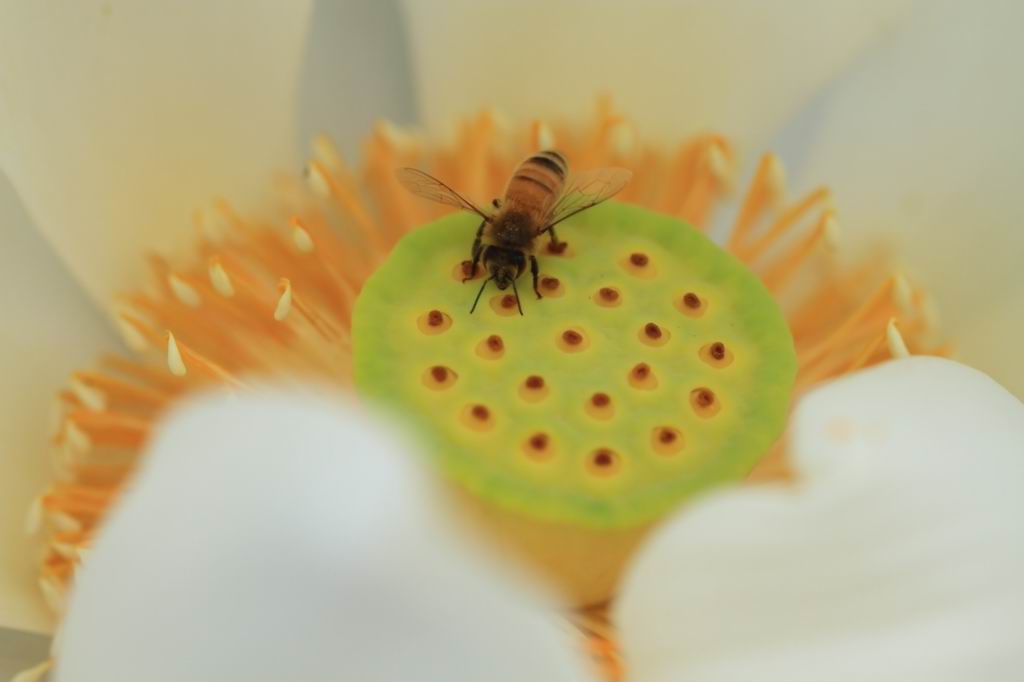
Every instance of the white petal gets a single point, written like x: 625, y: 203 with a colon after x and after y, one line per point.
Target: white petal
x: 356, y: 71
x: 288, y: 537
x: 119, y: 119
x: 48, y: 328
x: 897, y: 555
x: 922, y: 145
x: 739, y: 66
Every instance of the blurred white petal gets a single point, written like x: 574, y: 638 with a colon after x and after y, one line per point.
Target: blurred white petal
x: 48, y: 329
x: 923, y: 147
x: 897, y: 556
x: 288, y: 537
x: 738, y: 66
x: 118, y: 119
x: 356, y: 71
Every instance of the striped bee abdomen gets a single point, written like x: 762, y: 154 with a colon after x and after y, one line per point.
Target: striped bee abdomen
x: 538, y: 180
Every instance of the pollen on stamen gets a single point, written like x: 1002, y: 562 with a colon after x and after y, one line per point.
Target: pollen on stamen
x: 776, y: 178
x: 77, y: 439
x: 622, y: 139
x: 219, y: 278
x: 183, y: 291
x: 324, y: 151
x: 300, y: 237
x: 91, y: 397
x: 317, y: 182
x: 902, y: 294
x: 34, y: 518
x: 833, y: 233
x: 284, y: 301
x: 543, y: 136
x: 174, y: 362
x: 719, y: 164
x: 894, y: 340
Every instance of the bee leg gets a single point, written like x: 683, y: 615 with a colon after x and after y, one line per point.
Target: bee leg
x: 477, y: 252
x: 535, y: 271
x: 554, y: 237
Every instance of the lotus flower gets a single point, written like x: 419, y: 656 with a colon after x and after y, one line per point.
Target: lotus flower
x: 118, y: 122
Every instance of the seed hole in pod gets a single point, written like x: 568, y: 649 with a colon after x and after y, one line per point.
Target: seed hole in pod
x: 572, y: 340
x: 504, y: 304
x: 716, y: 354
x: 666, y: 440
x: 690, y: 304
x: 539, y: 446
x: 462, y: 270
x: 559, y: 248
x: 491, y: 348
x: 478, y: 417
x: 551, y: 287
x: 641, y: 376
x: 603, y: 462
x: 599, y: 406
x: 439, y: 377
x: 638, y: 264
x: 704, y: 402
x: 652, y: 334
x: 608, y: 297
x: 533, y: 389
x: 434, y: 322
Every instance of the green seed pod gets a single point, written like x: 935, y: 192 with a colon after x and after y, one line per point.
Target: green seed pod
x: 655, y: 367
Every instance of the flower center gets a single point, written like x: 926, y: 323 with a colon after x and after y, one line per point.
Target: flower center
x: 595, y: 380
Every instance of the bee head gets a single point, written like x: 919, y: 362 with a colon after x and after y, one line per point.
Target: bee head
x: 503, y: 276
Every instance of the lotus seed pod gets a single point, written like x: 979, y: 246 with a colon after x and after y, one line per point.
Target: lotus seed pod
x: 655, y: 367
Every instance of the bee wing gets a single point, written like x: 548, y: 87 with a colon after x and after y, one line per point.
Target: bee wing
x: 585, y: 190
x: 427, y: 186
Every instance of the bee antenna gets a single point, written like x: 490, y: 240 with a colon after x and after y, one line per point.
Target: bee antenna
x: 477, y: 299
x: 516, y: 292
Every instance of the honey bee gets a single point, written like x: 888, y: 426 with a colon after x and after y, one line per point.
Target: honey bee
x: 539, y: 196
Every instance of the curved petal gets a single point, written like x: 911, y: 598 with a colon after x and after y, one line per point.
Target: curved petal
x: 922, y: 144
x: 117, y: 120
x: 49, y: 327
x: 356, y: 71
x: 286, y: 536
x: 739, y: 66
x: 896, y: 556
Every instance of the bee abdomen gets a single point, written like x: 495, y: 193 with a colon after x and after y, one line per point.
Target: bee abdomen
x: 550, y: 160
